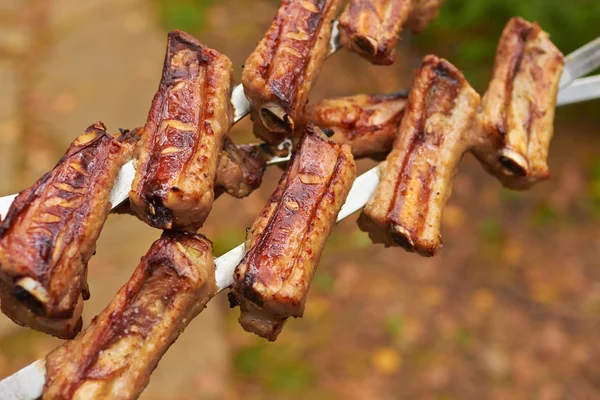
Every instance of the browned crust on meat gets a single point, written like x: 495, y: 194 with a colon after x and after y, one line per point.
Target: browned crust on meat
x: 372, y: 28
x: 190, y: 114
x: 285, y: 65
x: 285, y: 242
x: 50, y: 233
x: 368, y: 123
x: 423, y: 13
x: 516, y: 119
x: 416, y: 178
x: 114, y: 357
x: 240, y: 170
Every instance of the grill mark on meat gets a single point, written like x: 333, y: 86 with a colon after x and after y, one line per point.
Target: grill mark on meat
x: 281, y: 87
x: 516, y: 62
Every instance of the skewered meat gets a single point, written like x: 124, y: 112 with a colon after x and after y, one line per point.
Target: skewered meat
x: 518, y: 108
x: 372, y: 28
x: 240, y: 169
x: 368, y: 123
x: 190, y: 115
x: 114, y: 357
x: 285, y: 242
x: 281, y: 71
x: 50, y: 233
x: 416, y: 178
x: 423, y: 13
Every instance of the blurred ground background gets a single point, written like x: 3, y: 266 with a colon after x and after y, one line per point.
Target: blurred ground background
x: 508, y: 310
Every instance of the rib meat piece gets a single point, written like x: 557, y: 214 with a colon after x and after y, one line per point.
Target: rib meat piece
x: 371, y: 28
x: 240, y: 169
x: 518, y: 108
x: 114, y: 357
x: 423, y: 13
x: 281, y: 71
x: 368, y: 123
x: 50, y: 233
x: 416, y: 178
x: 284, y: 245
x: 190, y: 115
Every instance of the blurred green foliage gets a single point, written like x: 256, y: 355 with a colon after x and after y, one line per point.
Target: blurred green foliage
x: 545, y: 215
x: 277, y: 368
x: 187, y: 15
x: 491, y: 230
x: 595, y: 186
x: 467, y: 31
x: 394, y: 325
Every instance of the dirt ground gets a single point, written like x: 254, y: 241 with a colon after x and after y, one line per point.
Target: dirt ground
x: 509, y: 309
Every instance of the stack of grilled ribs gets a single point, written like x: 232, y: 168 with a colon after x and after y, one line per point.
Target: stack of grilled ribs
x: 185, y: 160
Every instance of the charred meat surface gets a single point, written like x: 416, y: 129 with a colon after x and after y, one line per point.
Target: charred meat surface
x: 115, y: 356
x: 368, y: 123
x: 416, y: 178
x: 190, y: 115
x: 372, y: 28
x: 285, y: 65
x: 50, y: 233
x: 240, y: 169
x: 423, y: 13
x: 517, y: 115
x: 284, y: 245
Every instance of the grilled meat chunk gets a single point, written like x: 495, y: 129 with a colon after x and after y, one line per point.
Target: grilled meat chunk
x: 284, y: 245
x: 280, y: 72
x: 371, y: 28
x: 240, y: 169
x: 368, y: 123
x: 114, y: 357
x: 517, y: 114
x: 50, y: 233
x: 416, y: 178
x: 190, y: 115
x: 423, y: 13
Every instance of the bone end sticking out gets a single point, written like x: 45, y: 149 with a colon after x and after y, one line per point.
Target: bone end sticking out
x: 372, y: 28
x: 517, y: 113
x: 50, y: 233
x: 416, y: 178
x: 284, y: 245
x: 183, y: 137
x: 115, y: 356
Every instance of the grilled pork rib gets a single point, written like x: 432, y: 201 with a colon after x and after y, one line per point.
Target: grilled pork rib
x: 50, y: 233
x: 416, y: 178
x: 283, y: 68
x: 372, y: 28
x: 517, y: 114
x: 284, y: 245
x: 240, y: 169
x: 423, y: 13
x: 368, y: 123
x: 114, y: 357
x: 190, y: 115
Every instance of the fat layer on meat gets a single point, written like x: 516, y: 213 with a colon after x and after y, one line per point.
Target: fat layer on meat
x: 284, y: 245
x: 50, y: 233
x: 517, y: 116
x: 285, y: 65
x: 115, y: 356
x: 189, y: 117
x: 416, y: 178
